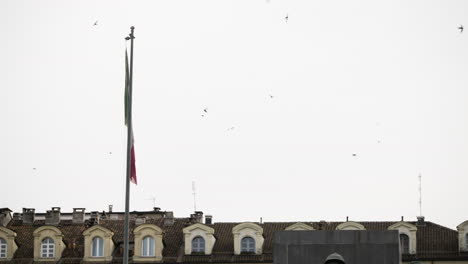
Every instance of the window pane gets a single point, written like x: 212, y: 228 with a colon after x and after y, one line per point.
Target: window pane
x: 101, y: 247
x: 151, y: 246
x: 145, y: 246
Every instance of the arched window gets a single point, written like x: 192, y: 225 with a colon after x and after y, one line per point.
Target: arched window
x: 47, y: 248
x: 198, y: 244
x: 404, y: 243
x: 97, y: 247
x: 3, y: 248
x: 148, y: 247
x: 247, y: 244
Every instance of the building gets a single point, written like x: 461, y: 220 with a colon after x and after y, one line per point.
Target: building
x: 157, y: 236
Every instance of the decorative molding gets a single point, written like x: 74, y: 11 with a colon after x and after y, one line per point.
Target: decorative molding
x: 299, y: 227
x: 350, y: 225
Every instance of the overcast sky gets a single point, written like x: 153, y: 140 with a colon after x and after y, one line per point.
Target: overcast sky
x: 332, y: 113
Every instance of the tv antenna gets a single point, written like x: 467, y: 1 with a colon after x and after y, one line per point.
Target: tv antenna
x: 194, y: 197
x: 420, y: 196
x: 154, y: 201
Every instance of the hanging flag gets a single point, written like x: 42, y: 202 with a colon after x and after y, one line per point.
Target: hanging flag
x: 127, y: 99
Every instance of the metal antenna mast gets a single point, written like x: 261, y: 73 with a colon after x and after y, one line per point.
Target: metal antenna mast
x: 194, y: 197
x: 420, y: 196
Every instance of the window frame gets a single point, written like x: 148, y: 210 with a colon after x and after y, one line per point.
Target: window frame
x: 99, y: 247
x: 250, y: 246
x: 198, y: 247
x: 3, y: 248
x: 147, y: 241
x: 405, y: 248
x: 49, y: 245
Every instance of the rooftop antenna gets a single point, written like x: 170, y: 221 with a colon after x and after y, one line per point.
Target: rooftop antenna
x: 194, y: 197
x: 420, y: 196
x: 153, y: 198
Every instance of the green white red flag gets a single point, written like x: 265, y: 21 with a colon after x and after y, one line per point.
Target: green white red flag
x: 133, y: 177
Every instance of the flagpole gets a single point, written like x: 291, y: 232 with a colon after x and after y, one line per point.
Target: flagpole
x: 129, y: 147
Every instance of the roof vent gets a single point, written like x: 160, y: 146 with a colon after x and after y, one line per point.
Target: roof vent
x: 28, y: 216
x: 208, y: 219
x: 78, y: 215
x: 53, y: 216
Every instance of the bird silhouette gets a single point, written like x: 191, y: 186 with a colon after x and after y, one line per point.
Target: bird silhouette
x: 205, y: 110
x: 354, y: 154
x: 461, y: 28
x: 286, y: 18
x: 95, y: 23
x: 34, y: 168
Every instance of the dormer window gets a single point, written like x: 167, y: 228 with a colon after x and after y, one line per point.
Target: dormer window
x: 47, y: 248
x: 98, y: 244
x: 198, y: 245
x: 3, y: 248
x: 148, y: 247
x: 407, y: 234
x: 199, y: 239
x: 148, y: 243
x: 248, y: 237
x: 247, y: 245
x: 7, y: 244
x: 404, y: 243
x: 48, y: 243
x: 98, y: 247
x: 350, y: 225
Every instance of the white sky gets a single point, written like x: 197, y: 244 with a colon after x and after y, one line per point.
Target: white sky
x: 386, y: 80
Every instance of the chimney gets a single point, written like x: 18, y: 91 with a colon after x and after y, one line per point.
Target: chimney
x: 420, y: 221
x: 93, y: 219
x: 168, y: 218
x: 347, y: 218
x: 208, y: 219
x: 17, y: 216
x: 78, y: 215
x: 5, y: 216
x: 197, y: 217
x: 28, y: 216
x: 110, y: 208
x: 321, y: 225
x: 156, y: 209
x: 53, y: 216
x: 140, y: 219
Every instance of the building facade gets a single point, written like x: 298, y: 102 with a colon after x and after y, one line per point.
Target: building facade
x: 159, y: 237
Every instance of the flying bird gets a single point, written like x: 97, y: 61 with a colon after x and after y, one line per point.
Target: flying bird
x: 271, y: 96
x: 95, y: 23
x: 286, y: 18
x: 231, y: 128
x: 461, y: 28
x: 205, y: 110
x: 354, y: 154
x: 34, y: 168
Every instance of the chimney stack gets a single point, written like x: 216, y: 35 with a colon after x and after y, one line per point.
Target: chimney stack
x: 110, y: 208
x: 421, y: 221
x: 208, y: 219
x: 168, y: 218
x: 28, y: 216
x: 78, y: 215
x: 5, y: 216
x: 53, y: 216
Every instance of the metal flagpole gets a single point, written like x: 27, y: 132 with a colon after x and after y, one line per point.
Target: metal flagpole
x: 129, y: 148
